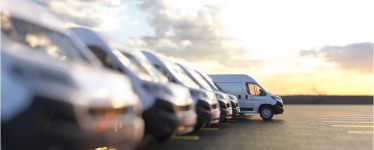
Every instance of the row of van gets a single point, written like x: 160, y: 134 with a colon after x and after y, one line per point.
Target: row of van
x: 78, y: 88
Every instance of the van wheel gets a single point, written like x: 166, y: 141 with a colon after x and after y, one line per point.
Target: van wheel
x: 266, y: 113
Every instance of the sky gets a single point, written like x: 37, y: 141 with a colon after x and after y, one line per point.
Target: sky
x: 291, y: 47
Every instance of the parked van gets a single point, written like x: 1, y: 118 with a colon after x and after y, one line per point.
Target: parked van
x: 207, y: 108
x: 223, y: 98
x: 168, y: 107
x: 252, y: 97
x: 216, y: 88
x: 51, y: 96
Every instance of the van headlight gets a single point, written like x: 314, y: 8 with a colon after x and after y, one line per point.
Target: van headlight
x: 277, y: 98
x: 157, y: 89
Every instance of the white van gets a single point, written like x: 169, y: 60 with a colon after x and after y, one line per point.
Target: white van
x: 168, y: 107
x: 252, y: 97
x: 223, y: 98
x: 52, y: 95
x: 234, y: 101
x: 207, y: 108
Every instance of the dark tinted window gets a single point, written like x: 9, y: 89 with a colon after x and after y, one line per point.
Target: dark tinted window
x: 103, y: 57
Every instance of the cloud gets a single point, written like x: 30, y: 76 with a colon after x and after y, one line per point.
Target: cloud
x: 193, y: 36
x: 98, y: 14
x: 357, y: 56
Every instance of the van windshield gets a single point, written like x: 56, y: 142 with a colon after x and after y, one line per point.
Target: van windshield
x: 54, y: 44
x: 140, y: 66
x: 213, y: 85
x: 180, y: 75
x: 201, y: 80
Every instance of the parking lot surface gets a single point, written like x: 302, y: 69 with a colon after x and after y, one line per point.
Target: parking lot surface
x: 314, y: 127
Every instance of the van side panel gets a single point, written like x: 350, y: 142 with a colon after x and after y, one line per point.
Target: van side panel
x: 236, y: 83
x: 231, y: 87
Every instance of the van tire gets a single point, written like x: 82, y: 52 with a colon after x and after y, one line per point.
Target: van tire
x: 266, y: 113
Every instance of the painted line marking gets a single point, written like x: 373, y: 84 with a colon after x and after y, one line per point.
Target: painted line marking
x: 348, y: 121
x: 231, y: 120
x: 182, y: 137
x: 360, y: 132
x: 208, y: 128
x: 223, y: 123
x: 352, y: 126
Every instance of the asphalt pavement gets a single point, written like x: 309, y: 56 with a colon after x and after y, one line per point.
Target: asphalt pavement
x: 314, y: 127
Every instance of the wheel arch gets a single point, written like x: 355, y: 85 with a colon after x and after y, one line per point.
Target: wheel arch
x: 264, y: 105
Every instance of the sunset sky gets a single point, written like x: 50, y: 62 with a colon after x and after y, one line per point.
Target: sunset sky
x: 291, y: 47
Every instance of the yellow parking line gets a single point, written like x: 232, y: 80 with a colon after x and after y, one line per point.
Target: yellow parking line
x: 182, y: 137
x: 352, y: 126
x: 348, y: 121
x: 360, y: 132
x: 223, y: 123
x: 231, y: 120
x: 208, y: 128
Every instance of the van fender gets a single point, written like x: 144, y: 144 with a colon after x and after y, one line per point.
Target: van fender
x: 262, y: 103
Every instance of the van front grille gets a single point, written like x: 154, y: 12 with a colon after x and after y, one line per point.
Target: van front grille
x: 228, y: 105
x: 214, y: 106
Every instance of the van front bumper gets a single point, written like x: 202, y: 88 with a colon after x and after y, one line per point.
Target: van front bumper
x: 226, y: 113
x: 53, y: 123
x: 161, y: 120
x: 278, y: 108
x: 187, y: 122
x: 235, y: 109
x: 215, y: 116
x: 204, y: 114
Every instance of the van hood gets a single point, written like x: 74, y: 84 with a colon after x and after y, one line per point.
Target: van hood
x: 224, y: 96
x: 205, y: 95
x: 233, y: 98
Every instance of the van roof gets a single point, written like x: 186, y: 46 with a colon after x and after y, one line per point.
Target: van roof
x: 231, y: 78
x: 107, y: 43
x: 33, y: 13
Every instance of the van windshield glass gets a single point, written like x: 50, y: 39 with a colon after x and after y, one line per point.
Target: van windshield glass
x: 140, y: 66
x: 201, y: 80
x: 180, y: 75
x: 213, y: 85
x: 54, y: 44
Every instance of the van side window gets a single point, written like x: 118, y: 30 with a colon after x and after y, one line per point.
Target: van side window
x: 253, y: 89
x: 103, y: 57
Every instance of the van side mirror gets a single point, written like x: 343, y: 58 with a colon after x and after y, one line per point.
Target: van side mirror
x: 239, y: 96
